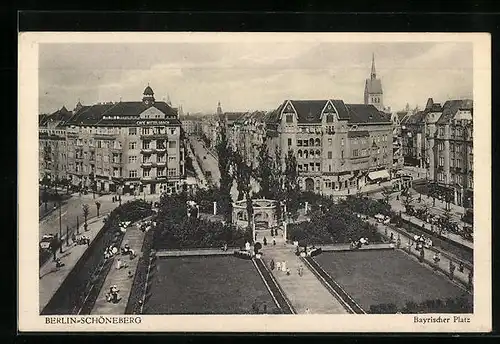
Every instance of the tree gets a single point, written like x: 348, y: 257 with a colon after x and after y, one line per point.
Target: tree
x: 85, y: 208
x: 243, y: 174
x: 407, y: 200
x: 224, y: 154
x: 386, y: 194
x: 98, y: 206
x: 291, y: 182
x: 264, y: 173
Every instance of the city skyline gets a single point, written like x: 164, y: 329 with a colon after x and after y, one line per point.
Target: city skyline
x: 245, y: 77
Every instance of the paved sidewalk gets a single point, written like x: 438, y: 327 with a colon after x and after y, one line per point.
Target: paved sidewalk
x: 134, y: 238
x: 444, y: 263
x: 306, y: 293
x: 51, y: 277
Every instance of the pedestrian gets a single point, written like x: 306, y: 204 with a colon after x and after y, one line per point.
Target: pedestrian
x: 255, y: 236
x: 264, y: 241
x: 274, y: 242
x: 288, y: 271
x: 271, y: 264
x: 118, y: 264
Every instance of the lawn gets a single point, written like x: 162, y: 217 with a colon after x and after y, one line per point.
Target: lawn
x: 386, y: 276
x: 207, y: 285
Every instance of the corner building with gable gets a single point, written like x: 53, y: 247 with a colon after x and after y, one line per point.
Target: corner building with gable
x: 339, y: 147
x: 133, y: 148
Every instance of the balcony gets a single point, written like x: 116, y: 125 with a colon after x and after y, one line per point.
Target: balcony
x: 105, y: 136
x: 160, y: 149
x: 154, y: 136
x: 161, y: 163
x: 309, y: 173
x: 146, y: 150
x: 147, y: 164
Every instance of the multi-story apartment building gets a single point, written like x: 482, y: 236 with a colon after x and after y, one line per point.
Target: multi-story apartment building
x: 449, y: 147
x: 248, y: 133
x: 413, y: 138
x: 126, y: 147
x: 52, y: 145
x: 192, y: 125
x: 339, y: 147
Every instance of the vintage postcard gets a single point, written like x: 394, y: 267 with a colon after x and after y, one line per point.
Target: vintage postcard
x: 254, y: 182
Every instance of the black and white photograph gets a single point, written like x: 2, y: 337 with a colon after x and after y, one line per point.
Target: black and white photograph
x: 269, y: 176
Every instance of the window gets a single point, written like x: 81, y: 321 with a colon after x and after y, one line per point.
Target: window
x: 459, y: 163
x: 452, y: 147
x: 172, y: 144
x: 146, y: 172
x: 146, y: 131
x: 355, y: 152
x: 452, y: 162
x: 289, y: 142
x: 458, y: 148
x: 299, y: 153
x: 318, y: 167
x: 330, y: 142
x: 132, y: 174
x: 330, y: 155
x: 161, y: 171
x: 172, y: 131
x: 342, y: 154
x: 172, y: 172
x: 329, y: 168
x: 132, y: 131
x: 146, y: 144
x: 441, y: 161
x: 172, y: 158
x: 441, y: 131
x: 299, y: 143
x: 91, y: 143
x: 441, y: 146
x: 306, y: 143
x: 132, y: 159
x: 116, y: 172
x: 289, y: 118
x: 329, y: 118
x: 132, y: 145
x: 470, y: 182
x: 363, y: 152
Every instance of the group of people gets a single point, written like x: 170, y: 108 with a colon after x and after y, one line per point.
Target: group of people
x: 127, y: 251
x: 80, y: 240
x: 281, y: 266
x: 113, y: 295
x: 110, y: 251
x: 359, y: 243
x: 421, y: 242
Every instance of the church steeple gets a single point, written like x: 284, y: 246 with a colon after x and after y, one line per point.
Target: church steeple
x: 219, y: 109
x: 373, y: 74
x: 373, y: 89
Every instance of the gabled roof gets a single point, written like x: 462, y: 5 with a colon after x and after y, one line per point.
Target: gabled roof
x: 60, y: 117
x: 361, y: 113
x: 91, y: 115
x: 451, y: 107
x: 309, y: 111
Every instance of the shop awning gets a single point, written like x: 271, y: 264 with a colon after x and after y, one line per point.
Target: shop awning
x: 382, y: 174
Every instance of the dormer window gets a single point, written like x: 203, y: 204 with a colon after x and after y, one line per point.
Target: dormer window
x: 289, y: 118
x: 329, y: 118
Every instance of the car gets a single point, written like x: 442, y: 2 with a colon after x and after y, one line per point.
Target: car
x: 46, y: 241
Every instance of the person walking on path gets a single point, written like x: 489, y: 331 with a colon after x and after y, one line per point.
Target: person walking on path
x: 271, y: 264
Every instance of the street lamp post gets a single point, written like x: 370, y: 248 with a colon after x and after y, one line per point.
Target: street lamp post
x: 60, y: 229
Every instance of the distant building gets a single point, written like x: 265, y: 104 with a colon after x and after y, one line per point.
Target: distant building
x: 248, y: 133
x: 374, y: 94
x: 52, y: 145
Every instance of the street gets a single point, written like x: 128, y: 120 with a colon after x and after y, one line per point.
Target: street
x: 72, y: 209
x: 210, y: 163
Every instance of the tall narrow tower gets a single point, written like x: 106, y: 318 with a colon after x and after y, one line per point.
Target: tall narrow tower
x: 373, y: 89
x: 219, y: 109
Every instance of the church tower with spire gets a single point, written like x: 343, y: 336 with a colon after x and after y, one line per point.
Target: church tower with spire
x: 373, y: 89
x: 219, y: 109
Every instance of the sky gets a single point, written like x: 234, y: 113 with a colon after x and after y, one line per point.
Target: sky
x: 246, y: 76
